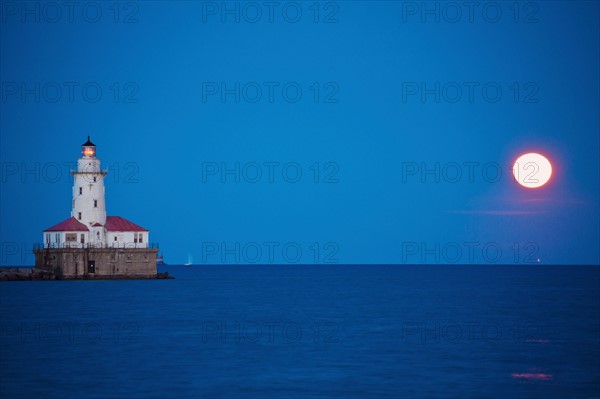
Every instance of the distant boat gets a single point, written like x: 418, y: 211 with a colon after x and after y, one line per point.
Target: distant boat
x: 189, y: 261
x: 160, y: 260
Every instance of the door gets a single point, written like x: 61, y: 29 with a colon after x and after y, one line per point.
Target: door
x: 91, y: 266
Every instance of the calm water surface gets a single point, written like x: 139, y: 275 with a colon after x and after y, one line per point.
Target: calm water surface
x: 307, y: 332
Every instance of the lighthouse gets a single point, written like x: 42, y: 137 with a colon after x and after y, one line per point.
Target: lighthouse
x: 89, y: 204
x: 89, y: 243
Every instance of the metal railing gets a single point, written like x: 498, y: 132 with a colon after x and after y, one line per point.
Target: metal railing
x: 129, y: 245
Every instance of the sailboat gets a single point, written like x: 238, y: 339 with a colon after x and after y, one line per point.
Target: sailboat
x: 189, y: 261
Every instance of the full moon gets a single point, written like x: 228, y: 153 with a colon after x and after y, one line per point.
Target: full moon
x: 532, y: 170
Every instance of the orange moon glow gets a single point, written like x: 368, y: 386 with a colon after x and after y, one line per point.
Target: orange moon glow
x: 532, y: 170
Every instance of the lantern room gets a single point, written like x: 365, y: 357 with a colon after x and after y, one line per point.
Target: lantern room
x: 88, y: 149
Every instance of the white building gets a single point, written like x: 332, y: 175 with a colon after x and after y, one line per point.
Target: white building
x: 88, y: 225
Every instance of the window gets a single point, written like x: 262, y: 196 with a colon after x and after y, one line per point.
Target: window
x: 80, y: 190
x: 82, y: 238
x: 79, y: 215
x: 135, y: 238
x: 47, y: 238
x: 115, y: 238
x: 98, y: 234
x: 71, y: 237
x: 94, y: 179
x: 95, y: 203
x: 141, y: 235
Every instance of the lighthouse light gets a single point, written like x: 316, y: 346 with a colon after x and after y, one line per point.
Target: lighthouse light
x: 89, y: 152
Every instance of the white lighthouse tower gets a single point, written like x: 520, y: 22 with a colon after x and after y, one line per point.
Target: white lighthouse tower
x: 88, y: 224
x: 89, y: 204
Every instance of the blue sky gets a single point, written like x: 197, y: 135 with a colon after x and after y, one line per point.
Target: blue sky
x: 179, y: 98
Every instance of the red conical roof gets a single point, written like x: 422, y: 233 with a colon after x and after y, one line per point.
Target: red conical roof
x: 117, y: 223
x: 71, y: 224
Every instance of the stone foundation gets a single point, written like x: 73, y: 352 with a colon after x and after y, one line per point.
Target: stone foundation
x: 97, y: 262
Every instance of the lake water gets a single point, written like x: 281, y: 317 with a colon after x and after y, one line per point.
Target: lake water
x: 307, y: 332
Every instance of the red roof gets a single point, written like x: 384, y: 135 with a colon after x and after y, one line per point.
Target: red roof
x: 96, y: 225
x: 117, y: 223
x: 71, y: 224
